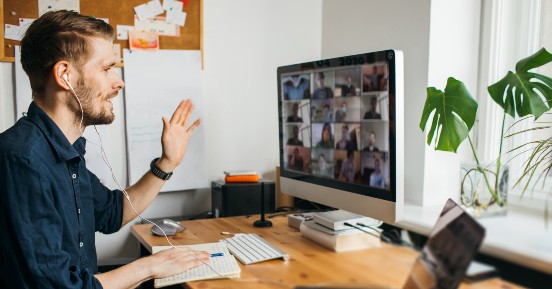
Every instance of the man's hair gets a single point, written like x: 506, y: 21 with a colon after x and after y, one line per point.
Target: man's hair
x: 55, y: 36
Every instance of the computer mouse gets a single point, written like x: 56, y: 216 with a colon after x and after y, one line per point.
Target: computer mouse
x: 169, y: 226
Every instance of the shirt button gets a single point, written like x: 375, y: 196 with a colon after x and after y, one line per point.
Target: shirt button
x: 74, y: 176
x: 81, y: 244
x: 78, y: 211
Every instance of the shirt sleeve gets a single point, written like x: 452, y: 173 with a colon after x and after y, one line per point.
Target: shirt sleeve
x: 108, y: 207
x: 32, y: 252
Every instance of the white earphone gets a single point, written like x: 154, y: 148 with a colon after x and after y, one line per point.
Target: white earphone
x: 65, y: 77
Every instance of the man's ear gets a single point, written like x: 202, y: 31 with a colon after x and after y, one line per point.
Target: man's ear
x: 61, y: 74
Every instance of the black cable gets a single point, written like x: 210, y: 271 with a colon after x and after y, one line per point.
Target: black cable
x: 285, y: 209
x: 369, y: 233
x: 293, y: 212
x: 396, y: 239
x: 209, y: 213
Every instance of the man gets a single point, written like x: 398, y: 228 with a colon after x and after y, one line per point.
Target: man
x: 294, y: 117
x: 297, y: 88
x: 348, y: 168
x: 341, y: 113
x: 50, y: 204
x: 372, y: 113
x: 294, y: 140
x: 296, y: 160
x: 344, y: 143
x: 349, y: 88
x: 376, y: 178
x: 371, y: 147
x: 322, y: 91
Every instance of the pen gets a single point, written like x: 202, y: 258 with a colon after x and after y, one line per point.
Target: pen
x: 217, y: 254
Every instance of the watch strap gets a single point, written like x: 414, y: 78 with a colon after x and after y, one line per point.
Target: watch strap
x: 158, y: 172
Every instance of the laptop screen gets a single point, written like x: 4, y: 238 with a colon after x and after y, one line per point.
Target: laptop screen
x: 452, y: 245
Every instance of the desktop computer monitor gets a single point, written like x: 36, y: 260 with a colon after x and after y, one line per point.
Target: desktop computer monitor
x: 341, y: 133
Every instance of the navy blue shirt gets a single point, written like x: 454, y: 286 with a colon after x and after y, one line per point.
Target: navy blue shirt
x: 50, y: 208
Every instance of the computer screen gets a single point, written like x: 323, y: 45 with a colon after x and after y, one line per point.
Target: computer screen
x: 341, y: 132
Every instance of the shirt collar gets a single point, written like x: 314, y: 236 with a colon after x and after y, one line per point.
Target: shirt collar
x: 64, y: 150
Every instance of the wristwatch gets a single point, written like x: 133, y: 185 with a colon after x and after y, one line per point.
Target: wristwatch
x: 158, y: 172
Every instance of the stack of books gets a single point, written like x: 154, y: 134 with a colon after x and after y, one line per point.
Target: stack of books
x: 241, y: 177
x: 329, y: 230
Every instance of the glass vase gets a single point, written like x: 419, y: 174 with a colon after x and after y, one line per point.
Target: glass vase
x: 481, y: 194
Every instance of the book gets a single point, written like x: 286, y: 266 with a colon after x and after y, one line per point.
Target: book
x: 336, y: 220
x: 240, y: 173
x: 241, y: 177
x: 224, y: 264
x: 339, y: 241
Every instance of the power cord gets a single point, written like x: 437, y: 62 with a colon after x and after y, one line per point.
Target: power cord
x: 390, y: 236
x: 379, y: 235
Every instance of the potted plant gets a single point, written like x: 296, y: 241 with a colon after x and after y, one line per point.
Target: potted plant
x: 521, y: 94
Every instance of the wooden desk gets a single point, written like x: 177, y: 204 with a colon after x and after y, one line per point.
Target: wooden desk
x: 310, y: 264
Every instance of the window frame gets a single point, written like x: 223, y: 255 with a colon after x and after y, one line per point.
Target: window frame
x: 509, y: 32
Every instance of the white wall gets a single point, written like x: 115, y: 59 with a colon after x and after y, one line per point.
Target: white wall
x: 242, y: 52
x: 454, y: 51
x: 356, y: 26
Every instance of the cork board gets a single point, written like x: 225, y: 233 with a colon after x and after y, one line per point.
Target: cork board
x: 118, y: 13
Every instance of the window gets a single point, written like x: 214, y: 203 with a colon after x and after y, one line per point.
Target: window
x: 511, y: 30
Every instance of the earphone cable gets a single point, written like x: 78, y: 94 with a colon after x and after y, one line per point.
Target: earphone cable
x: 106, y: 161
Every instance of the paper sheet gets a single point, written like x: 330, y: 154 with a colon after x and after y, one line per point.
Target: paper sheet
x: 225, y: 265
x: 172, y: 5
x: 176, y: 18
x: 122, y: 31
x: 153, y: 90
x: 158, y: 25
x: 12, y: 32
x: 53, y: 5
x: 149, y: 9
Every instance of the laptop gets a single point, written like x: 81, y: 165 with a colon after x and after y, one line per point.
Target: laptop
x: 452, y: 245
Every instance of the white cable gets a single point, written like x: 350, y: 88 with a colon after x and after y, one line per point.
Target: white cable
x: 106, y: 161
x: 80, y: 105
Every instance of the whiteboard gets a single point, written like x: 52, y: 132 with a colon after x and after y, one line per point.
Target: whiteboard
x: 23, y: 92
x: 156, y: 82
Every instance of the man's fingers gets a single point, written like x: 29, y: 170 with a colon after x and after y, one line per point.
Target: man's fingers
x: 186, y: 114
x: 177, y: 114
x: 194, y: 126
x: 165, y: 122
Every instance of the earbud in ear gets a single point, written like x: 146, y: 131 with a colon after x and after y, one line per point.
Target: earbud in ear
x: 66, y: 77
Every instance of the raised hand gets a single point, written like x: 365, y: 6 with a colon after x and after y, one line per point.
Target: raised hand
x: 175, y: 137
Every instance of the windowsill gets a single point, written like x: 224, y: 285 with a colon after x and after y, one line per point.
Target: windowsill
x: 519, y: 237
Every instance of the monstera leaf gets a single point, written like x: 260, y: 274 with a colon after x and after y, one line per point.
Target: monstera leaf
x: 453, y: 115
x: 518, y: 93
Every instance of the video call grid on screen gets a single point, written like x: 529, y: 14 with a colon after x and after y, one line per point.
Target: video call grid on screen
x: 336, y: 123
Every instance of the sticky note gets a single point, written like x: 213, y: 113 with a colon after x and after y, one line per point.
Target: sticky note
x: 176, y: 17
x: 12, y: 32
x: 172, y: 5
x: 122, y: 31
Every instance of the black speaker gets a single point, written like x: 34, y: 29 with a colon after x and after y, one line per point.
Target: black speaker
x: 239, y: 199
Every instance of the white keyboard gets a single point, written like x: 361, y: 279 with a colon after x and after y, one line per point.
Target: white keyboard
x: 251, y: 248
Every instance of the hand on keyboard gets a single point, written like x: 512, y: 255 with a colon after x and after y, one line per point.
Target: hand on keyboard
x: 251, y: 248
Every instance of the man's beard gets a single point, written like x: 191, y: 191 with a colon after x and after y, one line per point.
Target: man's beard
x: 87, y: 97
